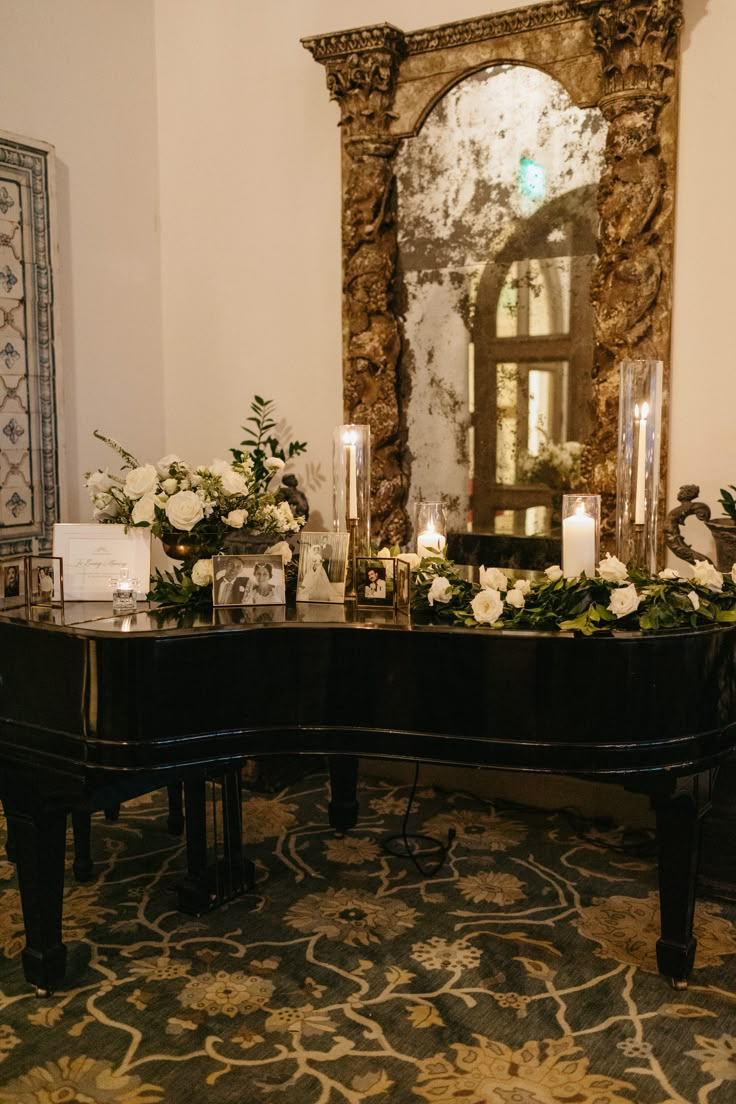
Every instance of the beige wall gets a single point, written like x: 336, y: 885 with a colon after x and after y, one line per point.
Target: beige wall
x: 80, y: 74
x: 246, y: 144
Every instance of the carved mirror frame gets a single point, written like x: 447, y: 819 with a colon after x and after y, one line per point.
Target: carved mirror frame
x: 621, y: 55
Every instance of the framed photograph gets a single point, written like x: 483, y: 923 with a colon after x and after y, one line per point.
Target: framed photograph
x: 12, y: 582
x: 403, y: 587
x: 375, y: 583
x: 248, y: 580
x: 323, y: 564
x: 94, y: 555
x: 44, y: 581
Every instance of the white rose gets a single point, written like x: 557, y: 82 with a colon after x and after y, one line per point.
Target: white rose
x: 487, y: 606
x: 515, y: 598
x: 98, y: 482
x: 523, y: 585
x: 202, y: 573
x: 411, y: 558
x: 233, y: 483
x: 273, y: 463
x: 145, y: 510
x: 384, y: 553
x: 439, y: 590
x: 105, y: 506
x: 184, y: 510
x: 694, y: 599
x: 281, y: 548
x: 141, y: 481
x: 612, y: 570
x: 553, y: 573
x: 170, y: 486
x: 236, y: 519
x: 624, y: 600
x: 493, y: 578
x: 669, y: 573
x: 707, y: 575
x: 167, y: 462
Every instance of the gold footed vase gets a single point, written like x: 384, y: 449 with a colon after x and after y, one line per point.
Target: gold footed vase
x: 180, y: 545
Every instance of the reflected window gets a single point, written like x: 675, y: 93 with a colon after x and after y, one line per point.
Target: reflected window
x: 532, y: 350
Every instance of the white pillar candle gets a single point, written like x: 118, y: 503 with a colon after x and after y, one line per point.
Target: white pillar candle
x: 641, y: 448
x: 430, y: 542
x: 578, y: 544
x: 349, y: 440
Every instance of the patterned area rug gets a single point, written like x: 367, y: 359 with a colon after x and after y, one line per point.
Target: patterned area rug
x: 522, y: 973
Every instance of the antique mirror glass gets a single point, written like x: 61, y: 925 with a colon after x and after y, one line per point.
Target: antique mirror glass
x: 507, y: 226
x: 497, y: 238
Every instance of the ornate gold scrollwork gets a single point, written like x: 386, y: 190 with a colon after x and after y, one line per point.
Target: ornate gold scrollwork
x: 637, y: 41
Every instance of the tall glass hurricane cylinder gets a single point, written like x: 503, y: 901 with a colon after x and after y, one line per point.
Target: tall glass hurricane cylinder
x: 351, y: 494
x: 637, y: 474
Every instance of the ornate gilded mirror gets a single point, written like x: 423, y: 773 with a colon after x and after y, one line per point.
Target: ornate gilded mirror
x: 508, y: 195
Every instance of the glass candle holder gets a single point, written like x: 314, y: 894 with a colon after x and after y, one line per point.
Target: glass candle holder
x: 430, y: 526
x: 637, y: 473
x: 351, y: 488
x: 124, y: 595
x: 581, y: 528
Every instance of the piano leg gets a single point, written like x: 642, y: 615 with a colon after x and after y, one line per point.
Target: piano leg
x: 679, y: 808
x: 343, y: 808
x: 83, y: 866
x: 39, y: 839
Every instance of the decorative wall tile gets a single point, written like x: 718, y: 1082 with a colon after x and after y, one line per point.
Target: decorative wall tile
x: 29, y: 492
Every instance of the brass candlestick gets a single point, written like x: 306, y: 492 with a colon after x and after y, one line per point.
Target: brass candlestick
x: 351, y: 593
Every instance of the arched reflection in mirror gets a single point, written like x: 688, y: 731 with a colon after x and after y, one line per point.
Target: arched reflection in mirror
x: 497, y: 229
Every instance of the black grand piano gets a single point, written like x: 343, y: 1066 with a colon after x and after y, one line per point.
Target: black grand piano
x: 94, y: 707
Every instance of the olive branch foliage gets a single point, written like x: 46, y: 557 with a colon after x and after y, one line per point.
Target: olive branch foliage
x: 262, y: 443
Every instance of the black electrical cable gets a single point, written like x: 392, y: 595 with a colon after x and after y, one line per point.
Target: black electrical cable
x: 634, y: 841
x: 406, y: 839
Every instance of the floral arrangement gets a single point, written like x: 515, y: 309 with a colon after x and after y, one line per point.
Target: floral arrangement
x: 617, y: 598
x: 555, y: 465
x: 207, y: 502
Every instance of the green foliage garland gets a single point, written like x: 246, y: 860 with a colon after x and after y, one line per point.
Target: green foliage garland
x: 582, y: 605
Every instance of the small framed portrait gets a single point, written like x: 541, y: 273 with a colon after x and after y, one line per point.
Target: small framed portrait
x: 44, y: 581
x: 12, y: 582
x: 403, y: 587
x: 323, y: 563
x: 375, y: 584
x: 248, y: 580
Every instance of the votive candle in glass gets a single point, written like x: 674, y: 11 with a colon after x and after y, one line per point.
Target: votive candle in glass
x: 580, y: 534
x: 430, y: 527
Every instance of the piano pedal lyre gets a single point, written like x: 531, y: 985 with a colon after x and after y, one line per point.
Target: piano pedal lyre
x: 217, y: 870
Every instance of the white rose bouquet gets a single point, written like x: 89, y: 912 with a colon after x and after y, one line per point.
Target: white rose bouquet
x: 204, y: 503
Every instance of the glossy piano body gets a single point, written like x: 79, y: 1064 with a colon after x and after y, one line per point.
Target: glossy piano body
x: 101, y: 705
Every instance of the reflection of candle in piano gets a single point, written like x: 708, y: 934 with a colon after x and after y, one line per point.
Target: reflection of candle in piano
x: 430, y: 542
x: 578, y: 544
x: 349, y: 438
x: 641, y: 419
